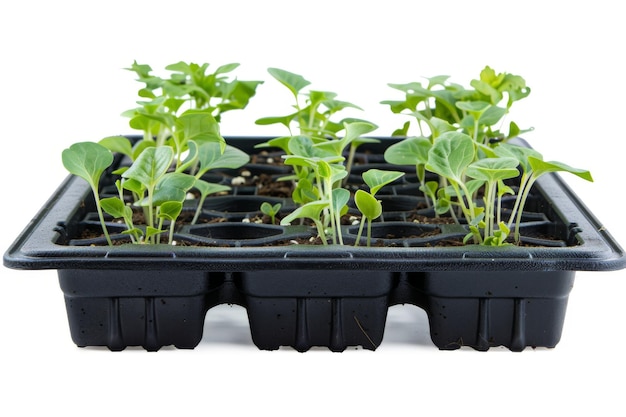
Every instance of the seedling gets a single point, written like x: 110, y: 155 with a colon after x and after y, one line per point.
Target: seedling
x: 271, y: 210
x: 413, y: 151
x: 179, y: 117
x: 313, y: 119
x: 322, y: 192
x: 533, y: 166
x: 442, y: 106
x: 366, y: 202
x: 89, y: 161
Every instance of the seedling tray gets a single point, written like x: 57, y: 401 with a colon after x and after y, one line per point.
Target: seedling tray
x: 301, y: 294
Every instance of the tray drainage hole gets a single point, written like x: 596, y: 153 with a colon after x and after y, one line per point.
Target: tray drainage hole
x: 237, y: 231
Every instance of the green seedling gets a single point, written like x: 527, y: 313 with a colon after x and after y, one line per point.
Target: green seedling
x: 321, y: 187
x: 366, y: 202
x: 313, y: 117
x: 452, y: 153
x: 207, y: 156
x: 413, y: 151
x: 533, y: 166
x: 271, y: 210
x: 313, y: 211
x: 150, y: 178
x: 170, y: 210
x: 205, y: 189
x: 119, y: 210
x: 442, y: 106
x: 492, y: 172
x: 187, y: 83
x: 88, y: 161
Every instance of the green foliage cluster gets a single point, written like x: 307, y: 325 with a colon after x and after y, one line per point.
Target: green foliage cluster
x: 179, y: 117
x: 462, y: 156
x: 460, y: 141
x: 316, y: 147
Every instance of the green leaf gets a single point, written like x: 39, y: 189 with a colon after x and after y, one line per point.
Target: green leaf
x: 493, y: 169
x: 484, y: 88
x: 134, y: 186
x: 323, y: 169
x: 312, y: 210
x: 141, y: 146
x: 518, y: 152
x: 368, y: 205
x: 211, y: 157
x: 280, y: 142
x: 87, y: 160
x: 270, y: 209
x: 205, y: 188
x: 491, y: 116
x: 119, y: 144
x: 293, y: 82
x: 172, y: 187
x: 116, y: 208
x: 450, y: 155
x: 284, y: 120
x: 302, y: 146
x: 151, y: 165
x: 223, y: 69
x: 191, y: 158
x: 152, y: 231
x: 410, y: 151
x: 170, y: 210
x: 340, y: 197
x: 378, y: 178
x: 355, y: 130
x: 199, y: 126
x: 473, y: 107
x: 541, y: 167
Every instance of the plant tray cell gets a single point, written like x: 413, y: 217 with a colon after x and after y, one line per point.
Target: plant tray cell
x: 301, y: 294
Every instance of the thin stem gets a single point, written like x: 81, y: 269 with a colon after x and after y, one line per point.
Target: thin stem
x: 101, y: 216
x: 150, y: 219
x: 320, y: 231
x: 523, y: 185
x: 358, y: 235
x: 349, y: 163
x: 520, y: 211
x: 172, y: 227
x: 489, y: 208
x: 198, y: 209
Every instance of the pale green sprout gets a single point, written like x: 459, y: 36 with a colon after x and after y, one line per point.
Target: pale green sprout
x: 366, y: 202
x: 88, y: 161
x: 270, y: 210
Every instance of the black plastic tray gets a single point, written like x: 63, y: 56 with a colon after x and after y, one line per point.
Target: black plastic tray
x: 310, y: 295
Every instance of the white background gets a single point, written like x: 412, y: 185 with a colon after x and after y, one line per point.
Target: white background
x: 62, y: 82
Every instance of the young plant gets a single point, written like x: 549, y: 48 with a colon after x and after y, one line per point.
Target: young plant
x: 209, y: 155
x: 312, y: 119
x: 533, y: 166
x: 492, y: 172
x: 366, y: 202
x: 478, y: 111
x: 177, y: 104
x: 413, y: 151
x: 88, y: 161
x: 327, y: 201
x: 270, y: 210
x: 150, y: 175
